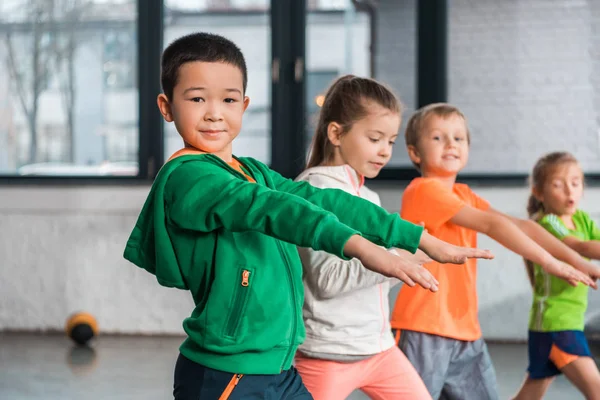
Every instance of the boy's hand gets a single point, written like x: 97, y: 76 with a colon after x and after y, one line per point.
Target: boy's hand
x: 443, y: 252
x: 408, y: 269
x: 568, y: 273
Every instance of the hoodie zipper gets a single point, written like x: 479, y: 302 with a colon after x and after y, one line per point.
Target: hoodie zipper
x: 290, y: 277
x: 239, y: 302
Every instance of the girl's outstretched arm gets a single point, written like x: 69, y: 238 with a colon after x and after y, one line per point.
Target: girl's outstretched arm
x: 586, y: 248
x: 378, y: 259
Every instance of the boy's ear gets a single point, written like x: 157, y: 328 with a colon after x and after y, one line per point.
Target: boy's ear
x: 413, y: 153
x: 246, y: 102
x: 164, y: 107
x: 334, y: 133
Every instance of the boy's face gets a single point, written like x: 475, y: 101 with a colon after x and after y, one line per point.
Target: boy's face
x: 207, y: 106
x: 443, y: 147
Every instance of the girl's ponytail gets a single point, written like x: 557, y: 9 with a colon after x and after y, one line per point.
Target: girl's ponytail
x: 534, y: 207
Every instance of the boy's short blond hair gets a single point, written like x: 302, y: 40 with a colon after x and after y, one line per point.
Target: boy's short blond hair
x: 416, y: 123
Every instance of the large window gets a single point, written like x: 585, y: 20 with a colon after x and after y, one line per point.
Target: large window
x: 68, y: 72
x: 338, y: 42
x: 246, y: 23
x: 396, y: 63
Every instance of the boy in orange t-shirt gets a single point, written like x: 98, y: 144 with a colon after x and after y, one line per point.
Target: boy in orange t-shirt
x: 440, y: 332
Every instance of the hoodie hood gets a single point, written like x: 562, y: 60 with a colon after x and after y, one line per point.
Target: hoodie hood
x: 150, y: 229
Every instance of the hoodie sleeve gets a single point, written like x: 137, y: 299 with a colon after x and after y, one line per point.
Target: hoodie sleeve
x: 203, y: 197
x: 372, y: 221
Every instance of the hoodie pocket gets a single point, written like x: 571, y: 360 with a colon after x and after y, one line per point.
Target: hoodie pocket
x: 241, y: 292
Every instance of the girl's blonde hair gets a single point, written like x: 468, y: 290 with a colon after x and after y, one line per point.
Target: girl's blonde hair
x: 346, y: 102
x: 535, y: 208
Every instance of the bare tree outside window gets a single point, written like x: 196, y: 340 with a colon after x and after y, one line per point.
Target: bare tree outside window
x: 51, y: 54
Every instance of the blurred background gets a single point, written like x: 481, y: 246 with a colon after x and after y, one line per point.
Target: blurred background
x: 81, y: 140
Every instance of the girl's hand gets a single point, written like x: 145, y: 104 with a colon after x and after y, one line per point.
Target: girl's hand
x: 409, y: 270
x: 592, y: 270
x: 443, y: 252
x: 418, y: 258
x: 568, y: 273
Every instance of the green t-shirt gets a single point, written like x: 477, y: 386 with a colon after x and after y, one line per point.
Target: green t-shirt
x: 558, y: 306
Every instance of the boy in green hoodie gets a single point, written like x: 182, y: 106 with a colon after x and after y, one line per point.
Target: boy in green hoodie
x: 226, y: 229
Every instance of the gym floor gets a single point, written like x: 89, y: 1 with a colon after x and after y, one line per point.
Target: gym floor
x: 130, y: 368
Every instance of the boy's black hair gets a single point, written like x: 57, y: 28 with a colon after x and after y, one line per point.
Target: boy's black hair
x: 206, y: 47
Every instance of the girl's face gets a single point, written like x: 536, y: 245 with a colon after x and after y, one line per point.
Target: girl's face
x: 562, y: 189
x: 367, y: 146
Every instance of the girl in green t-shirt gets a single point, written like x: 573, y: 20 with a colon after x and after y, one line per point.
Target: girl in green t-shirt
x: 556, y: 320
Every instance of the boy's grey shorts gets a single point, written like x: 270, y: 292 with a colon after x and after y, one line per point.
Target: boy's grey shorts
x: 451, y: 369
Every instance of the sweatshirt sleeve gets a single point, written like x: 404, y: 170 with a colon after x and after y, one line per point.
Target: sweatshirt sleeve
x: 203, y: 197
x: 330, y: 276
x: 373, y: 222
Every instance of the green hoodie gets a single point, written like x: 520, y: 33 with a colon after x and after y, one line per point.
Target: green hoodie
x: 232, y: 243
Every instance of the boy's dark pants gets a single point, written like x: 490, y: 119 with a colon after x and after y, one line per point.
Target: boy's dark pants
x: 194, y: 381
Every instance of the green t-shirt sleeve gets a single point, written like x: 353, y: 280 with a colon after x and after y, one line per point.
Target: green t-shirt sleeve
x: 372, y: 221
x: 592, y: 232
x: 555, y: 226
x: 203, y: 197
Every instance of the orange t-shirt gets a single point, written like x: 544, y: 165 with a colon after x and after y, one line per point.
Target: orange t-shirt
x: 452, y: 310
x: 235, y: 164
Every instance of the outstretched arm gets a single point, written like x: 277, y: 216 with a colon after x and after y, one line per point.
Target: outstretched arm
x: 562, y: 250
x: 376, y: 224
x: 505, y: 232
x: 586, y: 248
x: 329, y: 276
x: 203, y: 198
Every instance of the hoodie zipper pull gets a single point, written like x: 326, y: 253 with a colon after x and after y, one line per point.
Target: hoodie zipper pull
x: 245, y: 278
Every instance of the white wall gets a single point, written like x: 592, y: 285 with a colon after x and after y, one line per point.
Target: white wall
x: 62, y: 252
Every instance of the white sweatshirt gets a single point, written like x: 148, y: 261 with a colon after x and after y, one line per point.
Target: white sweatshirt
x: 346, y: 309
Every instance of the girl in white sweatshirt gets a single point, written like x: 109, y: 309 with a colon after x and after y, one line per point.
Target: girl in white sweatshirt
x: 349, y: 344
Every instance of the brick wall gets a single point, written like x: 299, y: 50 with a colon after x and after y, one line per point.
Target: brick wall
x: 524, y: 72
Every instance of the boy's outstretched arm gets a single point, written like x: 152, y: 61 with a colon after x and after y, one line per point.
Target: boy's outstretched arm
x: 380, y: 226
x: 377, y: 259
x: 203, y: 198
x: 505, y: 232
x: 443, y: 252
x: 566, y: 250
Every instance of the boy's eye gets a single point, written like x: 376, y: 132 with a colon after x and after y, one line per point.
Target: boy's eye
x: 196, y: 99
x: 392, y: 142
x: 436, y: 138
x: 458, y: 139
x: 230, y: 100
x: 373, y: 140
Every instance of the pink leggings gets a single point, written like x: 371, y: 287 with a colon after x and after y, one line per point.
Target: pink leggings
x: 385, y: 376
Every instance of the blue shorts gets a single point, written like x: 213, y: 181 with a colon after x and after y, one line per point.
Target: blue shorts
x: 549, y: 352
